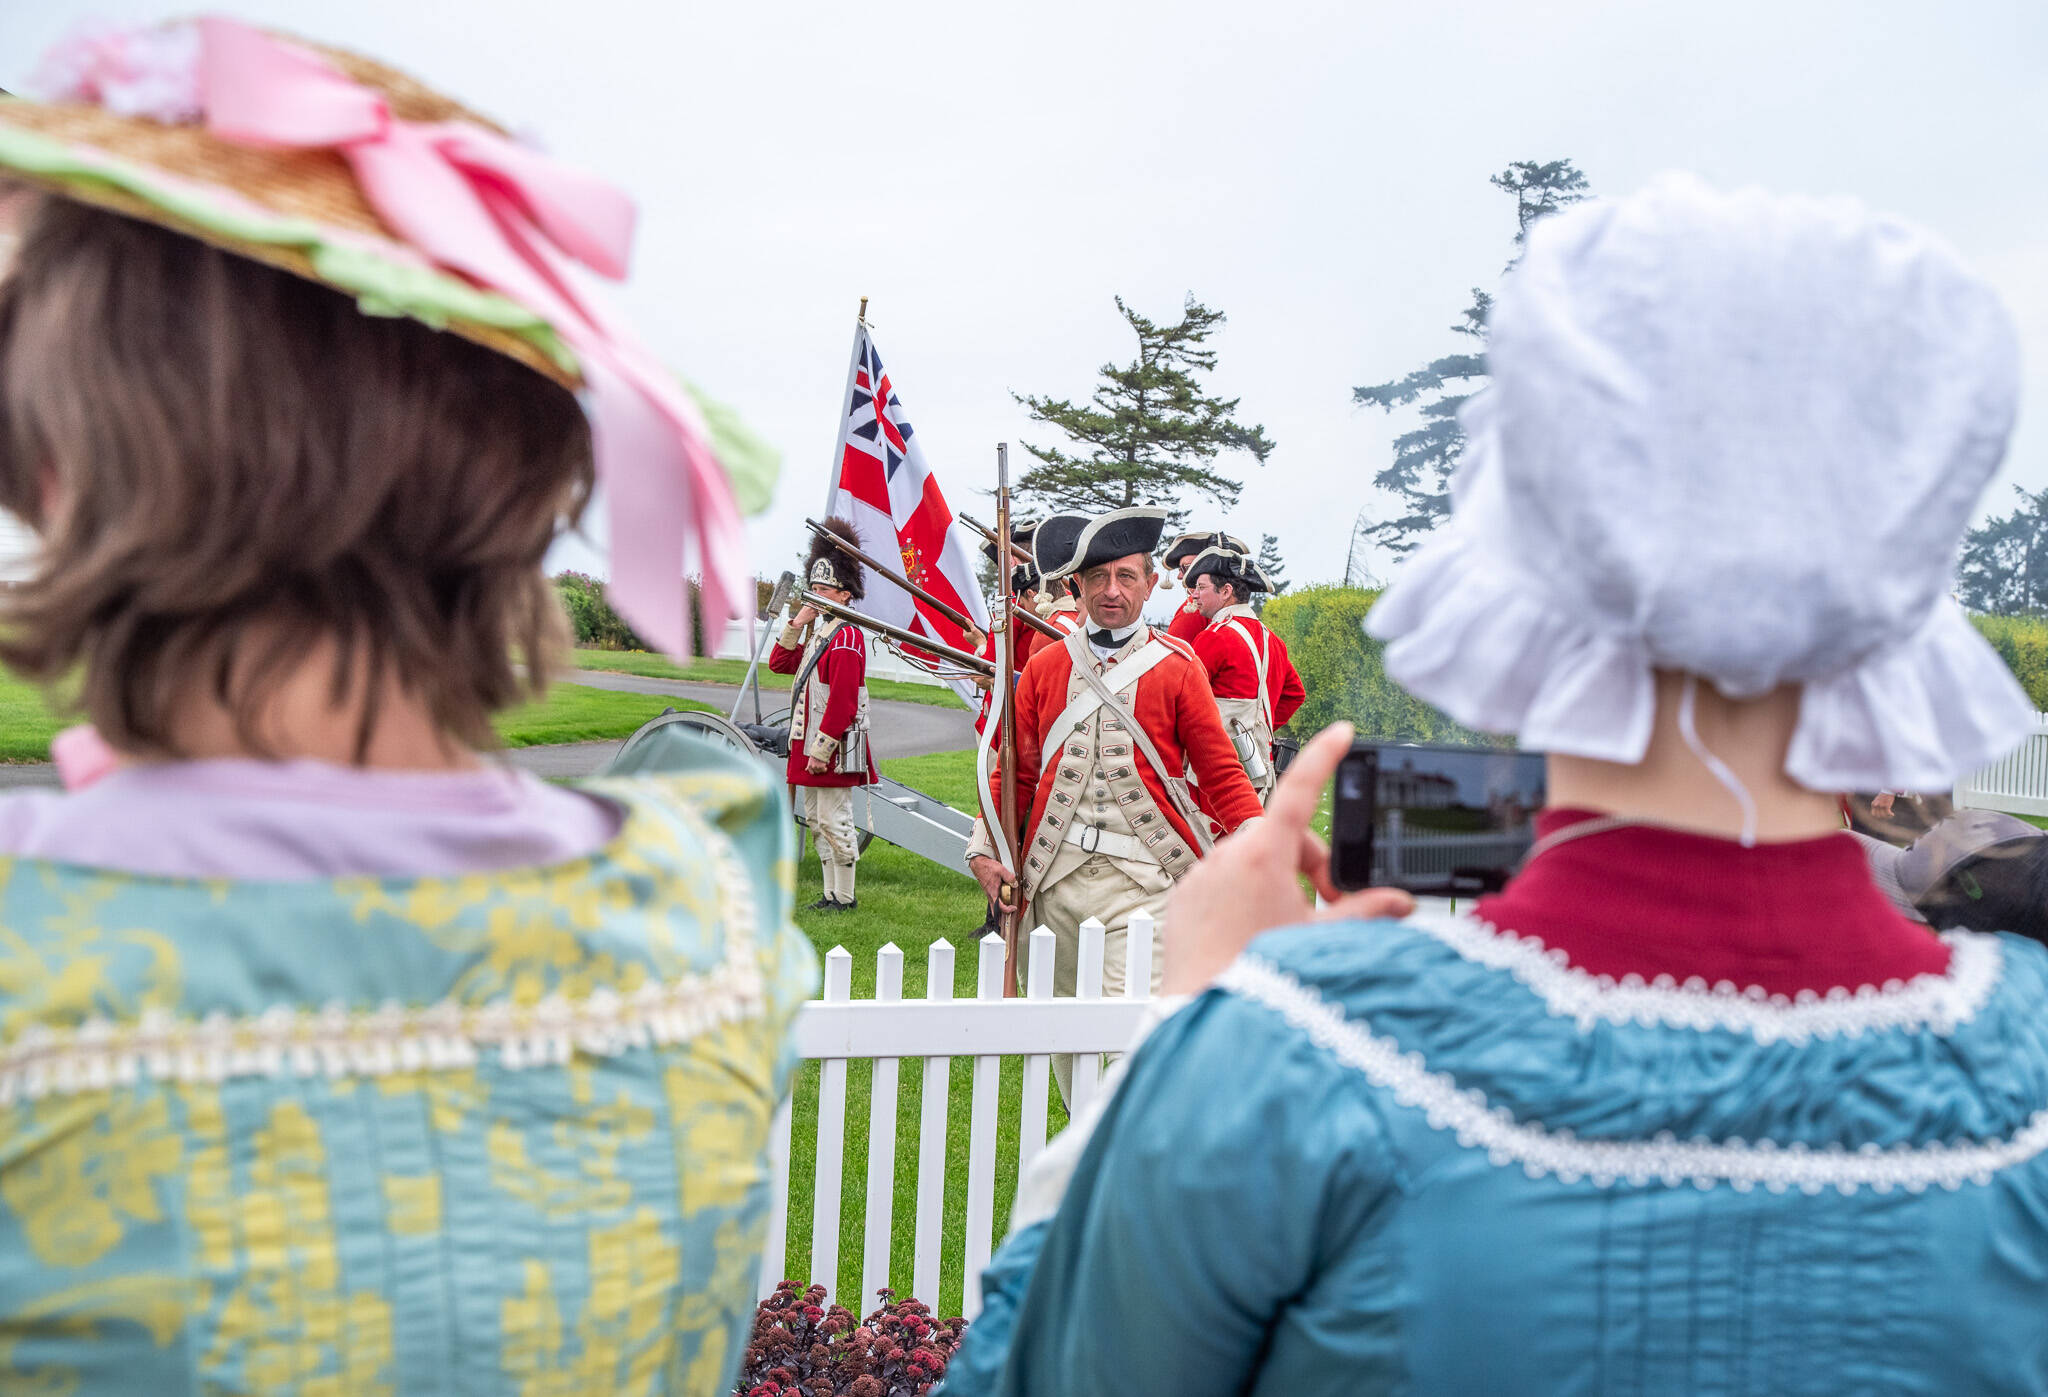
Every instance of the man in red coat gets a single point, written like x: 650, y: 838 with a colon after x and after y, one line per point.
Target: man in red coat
x: 1256, y: 687
x: 1111, y: 824
x: 828, y: 715
x: 1188, y: 620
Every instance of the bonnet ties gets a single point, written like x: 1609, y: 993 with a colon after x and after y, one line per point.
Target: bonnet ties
x: 1719, y: 769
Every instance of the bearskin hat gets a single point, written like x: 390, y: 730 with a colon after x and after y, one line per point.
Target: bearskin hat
x: 829, y: 565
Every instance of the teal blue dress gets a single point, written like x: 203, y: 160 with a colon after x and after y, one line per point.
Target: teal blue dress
x: 498, y: 1133
x: 1421, y: 1158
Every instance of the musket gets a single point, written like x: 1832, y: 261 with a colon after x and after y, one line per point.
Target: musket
x: 1043, y: 628
x: 1016, y: 549
x: 1006, y: 723
x: 977, y: 663
x: 785, y: 585
x: 963, y: 622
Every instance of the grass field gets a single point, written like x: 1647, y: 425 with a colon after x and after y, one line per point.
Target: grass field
x: 912, y: 902
x: 650, y: 666
x: 26, y: 722
x: 569, y: 713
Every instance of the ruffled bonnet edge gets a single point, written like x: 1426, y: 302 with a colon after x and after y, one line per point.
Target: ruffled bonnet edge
x: 1499, y: 652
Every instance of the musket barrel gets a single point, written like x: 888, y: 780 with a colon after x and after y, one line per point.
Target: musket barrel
x: 896, y: 633
x: 963, y: 622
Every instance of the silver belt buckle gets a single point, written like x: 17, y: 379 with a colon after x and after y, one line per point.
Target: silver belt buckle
x: 1091, y: 838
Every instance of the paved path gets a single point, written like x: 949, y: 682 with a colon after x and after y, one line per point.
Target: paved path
x: 900, y: 729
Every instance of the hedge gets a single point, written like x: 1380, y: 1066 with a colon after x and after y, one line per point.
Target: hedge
x: 2022, y: 642
x: 1340, y: 665
x: 598, y: 627
x: 591, y: 616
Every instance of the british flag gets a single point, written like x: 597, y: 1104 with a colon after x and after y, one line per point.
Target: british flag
x: 885, y: 490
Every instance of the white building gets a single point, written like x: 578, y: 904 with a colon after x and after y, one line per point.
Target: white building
x: 15, y: 543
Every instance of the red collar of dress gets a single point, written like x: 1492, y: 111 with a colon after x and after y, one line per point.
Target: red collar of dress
x: 1648, y: 900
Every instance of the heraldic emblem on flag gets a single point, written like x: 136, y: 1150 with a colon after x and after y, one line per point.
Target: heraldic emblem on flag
x: 885, y: 490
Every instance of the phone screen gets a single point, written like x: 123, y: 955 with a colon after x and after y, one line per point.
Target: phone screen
x: 1435, y: 820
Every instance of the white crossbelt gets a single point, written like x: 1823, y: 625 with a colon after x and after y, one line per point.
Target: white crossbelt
x: 1093, y: 840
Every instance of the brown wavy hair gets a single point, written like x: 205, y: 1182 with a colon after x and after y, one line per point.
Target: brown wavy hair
x: 226, y: 464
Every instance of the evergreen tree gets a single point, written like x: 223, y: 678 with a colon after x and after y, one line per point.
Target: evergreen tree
x: 1148, y: 433
x: 1423, y: 458
x: 1274, y: 567
x: 2004, y: 568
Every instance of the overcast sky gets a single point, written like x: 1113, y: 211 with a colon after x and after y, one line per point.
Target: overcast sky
x: 992, y: 176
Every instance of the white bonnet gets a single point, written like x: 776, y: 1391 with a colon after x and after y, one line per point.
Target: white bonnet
x: 1735, y: 435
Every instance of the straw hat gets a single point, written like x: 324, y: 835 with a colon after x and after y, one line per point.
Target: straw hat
x: 292, y: 209
x: 351, y: 174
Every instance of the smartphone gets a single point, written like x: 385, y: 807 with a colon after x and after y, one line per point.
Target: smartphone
x: 1438, y: 821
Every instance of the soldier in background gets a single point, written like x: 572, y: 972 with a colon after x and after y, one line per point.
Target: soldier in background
x: 828, y: 714
x: 1061, y: 603
x: 1188, y: 621
x: 1256, y: 686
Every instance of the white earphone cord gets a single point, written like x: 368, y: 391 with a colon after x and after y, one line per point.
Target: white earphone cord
x: 1718, y: 768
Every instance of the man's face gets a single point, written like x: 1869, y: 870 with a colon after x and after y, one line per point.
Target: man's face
x: 1209, y: 598
x: 1114, y: 594
x: 838, y: 596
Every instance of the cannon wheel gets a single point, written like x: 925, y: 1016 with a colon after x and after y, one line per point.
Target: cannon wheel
x: 716, y: 725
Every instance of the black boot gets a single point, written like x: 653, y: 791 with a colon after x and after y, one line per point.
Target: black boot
x: 826, y: 904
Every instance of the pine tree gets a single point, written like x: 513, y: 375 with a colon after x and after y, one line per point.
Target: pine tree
x: 1148, y: 433
x: 1424, y: 458
x: 1274, y: 567
x: 2004, y: 568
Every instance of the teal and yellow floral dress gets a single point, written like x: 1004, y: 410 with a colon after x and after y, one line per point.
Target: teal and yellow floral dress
x: 500, y: 1133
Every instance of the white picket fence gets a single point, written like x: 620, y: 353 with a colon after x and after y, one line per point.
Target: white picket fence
x: 929, y: 1033
x: 2016, y: 784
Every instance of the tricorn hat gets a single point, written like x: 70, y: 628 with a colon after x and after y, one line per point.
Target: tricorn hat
x: 1186, y: 546
x: 1229, y: 565
x: 829, y: 565
x: 1024, y: 578
x: 1021, y: 531
x: 1073, y: 543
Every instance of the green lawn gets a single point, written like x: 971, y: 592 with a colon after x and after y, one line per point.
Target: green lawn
x: 652, y: 666
x: 575, y: 713
x: 912, y: 902
x: 569, y: 713
x: 26, y: 722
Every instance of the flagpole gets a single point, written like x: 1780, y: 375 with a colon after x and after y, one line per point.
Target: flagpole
x: 860, y: 330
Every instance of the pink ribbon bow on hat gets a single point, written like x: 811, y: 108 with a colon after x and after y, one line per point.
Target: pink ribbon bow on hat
x: 511, y: 219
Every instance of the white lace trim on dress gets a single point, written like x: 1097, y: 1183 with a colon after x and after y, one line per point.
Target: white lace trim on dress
x: 339, y: 1042
x: 1664, y: 1158
x: 1934, y: 1003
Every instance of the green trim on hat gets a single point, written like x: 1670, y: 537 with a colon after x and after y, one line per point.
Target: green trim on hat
x: 380, y: 285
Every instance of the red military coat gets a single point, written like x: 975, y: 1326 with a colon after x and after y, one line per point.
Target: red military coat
x: 1174, y: 705
x: 1188, y: 622
x: 843, y: 669
x: 1234, y: 675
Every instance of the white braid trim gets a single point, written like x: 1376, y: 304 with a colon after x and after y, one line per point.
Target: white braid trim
x: 337, y: 1042
x: 1664, y: 1158
x: 1935, y: 1003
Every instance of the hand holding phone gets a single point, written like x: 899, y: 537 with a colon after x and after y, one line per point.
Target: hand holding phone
x: 1251, y: 881
x: 1441, y: 820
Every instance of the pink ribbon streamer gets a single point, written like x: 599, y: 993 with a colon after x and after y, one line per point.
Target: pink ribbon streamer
x: 511, y: 219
